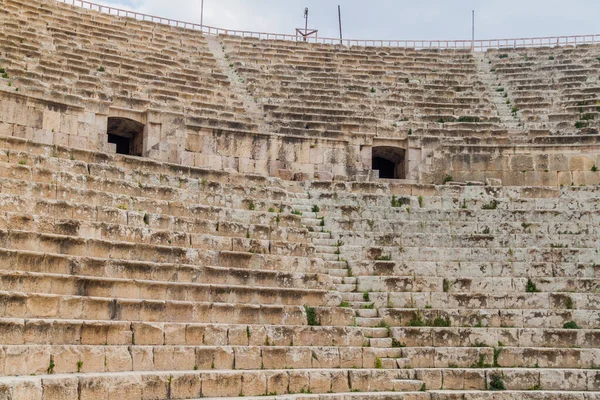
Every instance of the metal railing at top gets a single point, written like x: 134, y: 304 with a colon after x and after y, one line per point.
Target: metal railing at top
x: 473, y: 45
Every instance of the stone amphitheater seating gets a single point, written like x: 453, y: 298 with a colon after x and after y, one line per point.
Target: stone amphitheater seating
x: 295, y: 109
x: 308, y: 89
x: 127, y: 277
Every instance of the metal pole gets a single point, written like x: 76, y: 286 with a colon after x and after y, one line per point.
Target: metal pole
x: 201, y: 12
x: 473, y: 31
x: 305, y: 23
x: 340, y: 18
x: 473, y: 24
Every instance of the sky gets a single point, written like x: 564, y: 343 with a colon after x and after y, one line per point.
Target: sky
x: 387, y: 19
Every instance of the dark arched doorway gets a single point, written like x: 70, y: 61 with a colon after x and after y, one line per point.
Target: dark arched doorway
x: 390, y: 162
x: 127, y: 135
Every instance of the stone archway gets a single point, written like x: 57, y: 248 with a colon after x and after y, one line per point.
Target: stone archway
x: 127, y: 135
x: 389, y: 161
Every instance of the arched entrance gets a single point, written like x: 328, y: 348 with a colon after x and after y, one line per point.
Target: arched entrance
x: 127, y: 135
x: 390, y: 162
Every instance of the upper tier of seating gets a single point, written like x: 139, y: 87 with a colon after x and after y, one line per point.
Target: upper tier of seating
x: 63, y: 52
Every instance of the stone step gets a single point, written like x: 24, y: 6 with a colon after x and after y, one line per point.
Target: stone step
x: 324, y: 242
x: 381, y: 342
x: 365, y: 313
x: 492, y: 318
x: 302, y: 201
x: 345, y: 288
x: 311, y: 222
x: 369, y: 322
x: 388, y: 363
x: 407, y: 385
x: 338, y: 272
x: 490, y: 337
x: 509, y: 395
x: 361, y: 304
x: 353, y: 297
x: 327, y: 250
x: 336, y: 280
x: 49, y: 331
x: 158, y: 272
x: 319, y: 235
x: 199, y: 384
x: 330, y: 257
x: 149, y: 357
x: 336, y: 265
x: 61, y: 284
x: 32, y: 305
x: 377, y: 333
x: 375, y: 395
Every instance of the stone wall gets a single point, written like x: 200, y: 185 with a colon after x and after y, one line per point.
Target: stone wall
x: 514, y: 165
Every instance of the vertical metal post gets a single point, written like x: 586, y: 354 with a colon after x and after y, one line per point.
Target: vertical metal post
x: 340, y: 18
x: 305, y: 23
x: 473, y: 31
x: 201, y: 12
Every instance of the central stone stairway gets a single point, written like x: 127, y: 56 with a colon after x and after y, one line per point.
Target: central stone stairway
x: 330, y: 248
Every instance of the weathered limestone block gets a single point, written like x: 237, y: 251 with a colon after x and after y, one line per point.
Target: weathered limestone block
x: 277, y: 381
x: 273, y: 357
x: 432, y: 378
x: 521, y: 379
x: 148, y: 334
x: 320, y: 381
x: 155, y: 386
x: 93, y: 388
x: 58, y: 388
x: 118, y: 359
x: 298, y: 358
x: 65, y: 359
x: 339, y: 382
x: 27, y: 390
x: 175, y: 334
x: 581, y: 163
x: 327, y: 357
x: 351, y: 357
x: 142, y: 358
x: 248, y: 358
x: 125, y: 387
x: 186, y: 386
x: 215, y: 335
x: 223, y: 358
x: 299, y: 381
x: 564, y: 380
x: 222, y: 384
x: 254, y: 384
x: 359, y: 380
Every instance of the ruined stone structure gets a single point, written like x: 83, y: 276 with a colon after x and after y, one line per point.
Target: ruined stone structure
x: 185, y: 216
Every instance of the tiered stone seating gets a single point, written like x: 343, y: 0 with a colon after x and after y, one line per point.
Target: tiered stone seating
x: 112, y: 278
x: 130, y: 278
x: 464, y: 279
x: 135, y: 266
x: 78, y: 56
x: 554, y: 88
x: 321, y: 91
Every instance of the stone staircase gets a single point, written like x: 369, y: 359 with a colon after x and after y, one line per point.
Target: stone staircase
x: 330, y: 248
x: 500, y: 98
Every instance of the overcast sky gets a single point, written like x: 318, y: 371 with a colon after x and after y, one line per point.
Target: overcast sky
x: 387, y: 19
